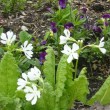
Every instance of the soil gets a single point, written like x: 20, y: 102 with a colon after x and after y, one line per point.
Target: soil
x: 37, y: 21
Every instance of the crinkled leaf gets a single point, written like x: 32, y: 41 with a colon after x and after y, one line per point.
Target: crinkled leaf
x: 102, y: 95
x: 24, y: 36
x: 8, y: 75
x: 49, y: 67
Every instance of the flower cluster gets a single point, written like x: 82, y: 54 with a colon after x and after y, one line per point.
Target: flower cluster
x: 10, y: 37
x: 29, y: 84
x: 74, y: 52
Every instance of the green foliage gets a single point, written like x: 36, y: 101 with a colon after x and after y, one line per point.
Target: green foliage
x: 24, y: 36
x: 66, y: 89
x: 7, y: 103
x: 12, y: 5
x: 49, y: 67
x: 8, y: 77
x: 81, y: 87
x: 47, y: 99
x: 64, y: 83
x: 61, y: 16
x: 1, y: 31
x: 102, y: 95
x: 61, y: 77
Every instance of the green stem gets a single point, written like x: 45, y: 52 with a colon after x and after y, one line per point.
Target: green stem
x: 76, y: 67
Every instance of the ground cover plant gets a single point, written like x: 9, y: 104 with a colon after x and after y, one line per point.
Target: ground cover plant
x: 47, y: 73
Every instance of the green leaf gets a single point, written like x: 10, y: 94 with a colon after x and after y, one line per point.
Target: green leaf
x: 24, y: 36
x: 80, y: 87
x: 75, y: 90
x: 1, y: 31
x: 102, y: 95
x: 47, y: 98
x: 47, y: 34
x: 49, y: 67
x: 8, y: 75
x: 61, y: 77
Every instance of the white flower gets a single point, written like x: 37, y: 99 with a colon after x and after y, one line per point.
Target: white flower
x: 32, y: 94
x: 27, y: 49
x: 101, y: 45
x: 71, y: 52
x: 34, y: 74
x: 22, y: 81
x: 8, y: 38
x: 24, y: 28
x: 63, y: 39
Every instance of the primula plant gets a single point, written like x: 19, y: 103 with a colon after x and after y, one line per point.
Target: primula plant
x: 46, y: 75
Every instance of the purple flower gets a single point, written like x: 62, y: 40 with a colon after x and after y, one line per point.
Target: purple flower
x: 42, y: 57
x: 68, y: 25
x: 106, y: 16
x: 84, y: 10
x: 81, y: 17
x: 62, y: 3
x: 43, y: 42
x: 53, y: 27
x: 106, y: 23
x: 97, y: 29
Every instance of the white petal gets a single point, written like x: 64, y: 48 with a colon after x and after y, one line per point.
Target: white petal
x: 28, y: 89
x: 103, y: 50
x: 101, y: 44
x: 3, y: 42
x: 24, y: 76
x: 102, y: 39
x: 75, y: 55
x: 70, y: 58
x: 3, y: 36
x: 63, y: 39
x: 29, y: 47
x: 37, y: 70
x: 34, y: 100
x: 34, y: 87
x: 21, y: 81
x: 67, y: 33
x: 13, y: 38
x: 38, y: 94
x: 75, y: 47
x: 67, y: 50
x: 24, y: 28
x: 29, y: 96
x: 20, y: 87
x: 9, y: 35
x: 25, y: 43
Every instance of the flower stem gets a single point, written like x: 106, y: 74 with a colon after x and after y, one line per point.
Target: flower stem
x: 76, y: 67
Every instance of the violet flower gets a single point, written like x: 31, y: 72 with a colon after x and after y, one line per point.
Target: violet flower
x: 106, y: 16
x: 106, y: 24
x: 68, y: 25
x: 84, y: 10
x: 82, y: 16
x: 43, y: 42
x: 42, y: 57
x: 62, y: 3
x: 97, y: 29
x: 53, y: 27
